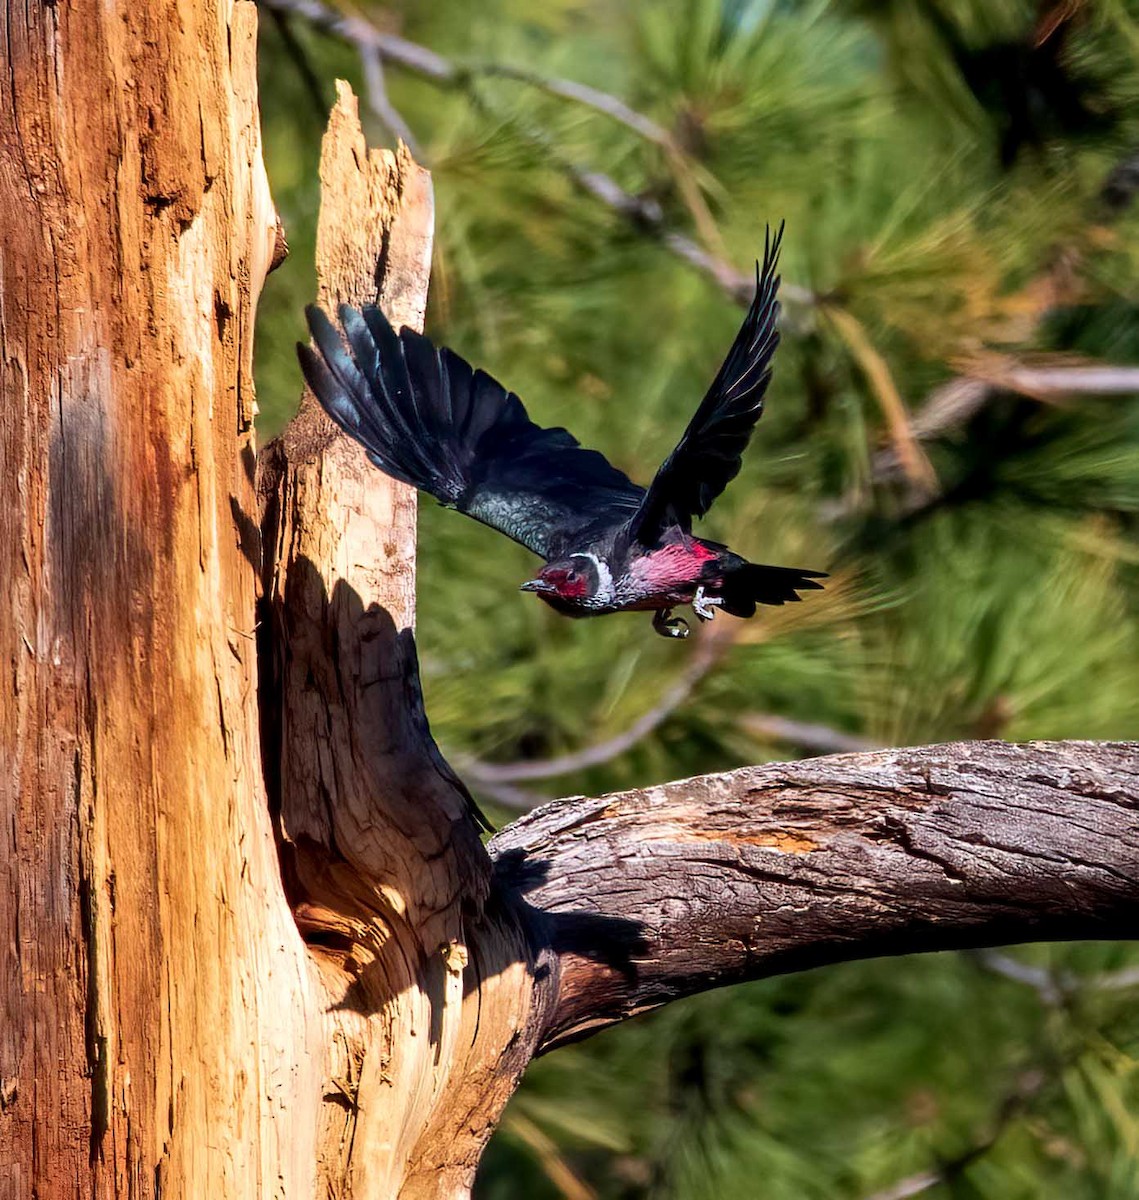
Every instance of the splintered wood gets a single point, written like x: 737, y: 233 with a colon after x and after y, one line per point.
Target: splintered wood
x: 390, y: 878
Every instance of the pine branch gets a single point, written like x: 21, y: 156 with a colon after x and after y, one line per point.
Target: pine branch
x: 947, y: 407
x: 1028, y: 1087
x: 484, y: 774
x: 643, y: 212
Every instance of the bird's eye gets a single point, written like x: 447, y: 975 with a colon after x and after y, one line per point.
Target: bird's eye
x: 571, y: 577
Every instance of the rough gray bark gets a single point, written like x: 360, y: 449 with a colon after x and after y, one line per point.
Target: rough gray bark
x: 655, y: 894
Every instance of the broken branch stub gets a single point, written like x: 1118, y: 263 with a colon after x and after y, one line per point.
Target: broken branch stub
x: 427, y: 986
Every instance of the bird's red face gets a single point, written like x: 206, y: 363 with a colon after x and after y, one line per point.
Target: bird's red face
x: 567, y: 580
x: 577, y: 586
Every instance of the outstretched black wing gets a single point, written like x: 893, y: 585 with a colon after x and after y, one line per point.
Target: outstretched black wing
x: 707, y: 457
x: 425, y: 417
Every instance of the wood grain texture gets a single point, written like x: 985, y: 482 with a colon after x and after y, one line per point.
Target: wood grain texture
x: 146, y: 943
x: 656, y: 894
x: 427, y: 984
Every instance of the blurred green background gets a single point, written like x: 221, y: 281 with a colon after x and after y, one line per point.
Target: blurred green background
x: 960, y: 181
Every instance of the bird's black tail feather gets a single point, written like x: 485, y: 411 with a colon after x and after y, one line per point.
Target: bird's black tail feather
x: 753, y: 584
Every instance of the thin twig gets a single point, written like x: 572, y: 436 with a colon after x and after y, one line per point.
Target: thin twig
x: 912, y: 1185
x: 360, y: 32
x: 645, y: 213
x: 581, y: 93
x: 806, y: 735
x: 957, y: 401
x: 497, y: 780
x: 380, y: 102
x: 1049, y: 985
x: 1111, y: 981
x: 950, y: 406
x: 1054, y: 987
x: 708, y: 653
x: 505, y: 795
x: 644, y: 127
x: 1028, y: 1086
x: 1045, y: 382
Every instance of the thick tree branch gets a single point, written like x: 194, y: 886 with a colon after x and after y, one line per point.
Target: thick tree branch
x: 648, y: 896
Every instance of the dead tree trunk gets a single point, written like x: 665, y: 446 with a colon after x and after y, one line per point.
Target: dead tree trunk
x: 154, y: 990
x: 252, y: 944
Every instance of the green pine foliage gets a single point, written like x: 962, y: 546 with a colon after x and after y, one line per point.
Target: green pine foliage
x: 940, y: 165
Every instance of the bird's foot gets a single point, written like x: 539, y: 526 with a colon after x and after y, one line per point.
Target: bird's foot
x: 669, y: 626
x: 705, y: 606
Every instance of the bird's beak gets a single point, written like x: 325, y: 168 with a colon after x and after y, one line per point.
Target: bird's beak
x: 537, y: 585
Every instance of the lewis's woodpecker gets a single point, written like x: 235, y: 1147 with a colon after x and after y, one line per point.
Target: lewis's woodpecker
x: 425, y: 417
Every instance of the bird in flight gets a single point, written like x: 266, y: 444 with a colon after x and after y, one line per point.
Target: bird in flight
x: 426, y: 418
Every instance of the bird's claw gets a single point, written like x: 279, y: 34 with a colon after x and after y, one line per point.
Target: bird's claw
x: 669, y: 626
x: 705, y: 606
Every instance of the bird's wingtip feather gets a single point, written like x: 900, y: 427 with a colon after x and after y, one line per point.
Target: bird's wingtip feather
x: 348, y: 313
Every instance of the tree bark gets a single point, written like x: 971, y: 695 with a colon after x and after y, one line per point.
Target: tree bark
x: 389, y: 881
x: 655, y: 894
x: 153, y: 987
x: 253, y: 944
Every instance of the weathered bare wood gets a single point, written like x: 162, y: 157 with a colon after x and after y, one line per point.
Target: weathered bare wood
x: 427, y: 992
x: 152, y: 982
x: 655, y: 894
